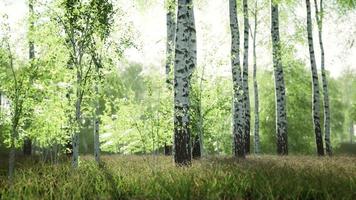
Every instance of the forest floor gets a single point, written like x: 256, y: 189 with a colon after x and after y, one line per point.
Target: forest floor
x: 156, y: 177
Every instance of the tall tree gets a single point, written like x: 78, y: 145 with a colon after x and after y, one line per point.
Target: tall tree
x: 82, y: 22
x: 238, y: 122
x: 255, y: 85
x: 319, y: 18
x: 247, y: 120
x: 17, y: 105
x: 281, y: 111
x: 27, y: 146
x: 98, y: 64
x: 315, y: 82
x: 170, y: 43
x: 185, y: 63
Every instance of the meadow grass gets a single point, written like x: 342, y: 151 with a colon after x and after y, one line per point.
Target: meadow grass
x: 156, y: 177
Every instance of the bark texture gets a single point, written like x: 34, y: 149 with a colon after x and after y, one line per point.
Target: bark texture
x: 247, y: 117
x: 319, y: 19
x: 238, y: 122
x: 171, y: 35
x: 315, y: 82
x: 281, y: 111
x: 185, y: 63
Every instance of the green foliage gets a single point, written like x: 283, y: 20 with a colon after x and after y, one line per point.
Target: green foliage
x: 347, y: 4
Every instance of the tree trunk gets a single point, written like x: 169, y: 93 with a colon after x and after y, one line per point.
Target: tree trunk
x: 185, y: 62
x: 245, y: 80
x: 75, y: 137
x: 196, y: 147
x: 12, y: 154
x: 255, y: 86
x: 319, y: 19
x: 315, y: 82
x: 281, y: 113
x: 238, y: 122
x: 96, y: 120
x: 171, y: 35
x: 27, y: 145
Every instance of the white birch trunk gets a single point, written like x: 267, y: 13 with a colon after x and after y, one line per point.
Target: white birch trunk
x: 185, y: 62
x: 247, y: 122
x: 315, y: 82
x: 238, y: 122
x: 319, y: 19
x: 281, y: 113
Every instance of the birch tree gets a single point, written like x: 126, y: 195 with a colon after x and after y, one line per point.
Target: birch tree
x: 247, y: 120
x: 27, y: 146
x: 82, y: 22
x: 16, y: 86
x: 315, y: 85
x: 319, y: 18
x: 170, y: 43
x: 255, y: 85
x: 185, y: 63
x: 238, y: 122
x: 281, y: 111
x: 98, y: 64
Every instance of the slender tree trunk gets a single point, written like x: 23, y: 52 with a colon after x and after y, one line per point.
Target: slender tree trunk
x: 97, y: 63
x: 185, y: 62
x: 247, y: 120
x: 255, y: 85
x: 75, y: 137
x: 281, y: 113
x: 96, y: 119
x: 238, y: 122
x: 171, y: 36
x: 27, y: 145
x: 12, y: 154
x: 319, y: 19
x: 315, y: 82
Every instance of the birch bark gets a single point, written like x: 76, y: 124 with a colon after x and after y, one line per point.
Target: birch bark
x: 281, y: 113
x: 247, y: 122
x: 315, y: 83
x: 319, y: 19
x: 185, y: 63
x: 238, y: 122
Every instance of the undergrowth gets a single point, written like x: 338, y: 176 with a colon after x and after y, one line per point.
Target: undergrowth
x: 150, y: 177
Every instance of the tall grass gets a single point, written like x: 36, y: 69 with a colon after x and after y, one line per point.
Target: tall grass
x: 139, y: 177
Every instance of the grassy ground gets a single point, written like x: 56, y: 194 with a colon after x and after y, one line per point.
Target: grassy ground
x: 138, y: 177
